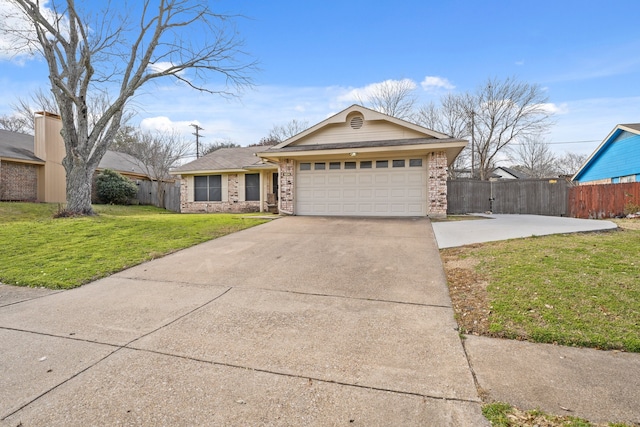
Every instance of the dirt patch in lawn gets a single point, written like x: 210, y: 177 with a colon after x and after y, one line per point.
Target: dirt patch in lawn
x: 468, y: 292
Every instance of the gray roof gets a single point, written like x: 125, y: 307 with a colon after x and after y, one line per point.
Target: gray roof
x: 514, y: 172
x: 634, y: 126
x: 121, y: 162
x: 224, y: 159
x: 362, y: 144
x: 18, y: 146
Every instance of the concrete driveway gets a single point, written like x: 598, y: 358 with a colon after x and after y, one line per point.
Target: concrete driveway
x: 300, y: 321
x: 496, y: 227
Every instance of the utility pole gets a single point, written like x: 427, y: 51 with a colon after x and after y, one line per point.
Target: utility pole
x: 198, y: 136
x: 473, y: 145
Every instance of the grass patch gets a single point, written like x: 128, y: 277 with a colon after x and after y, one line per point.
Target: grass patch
x: 450, y: 218
x: 574, y: 289
x: 504, y: 415
x: 63, y: 253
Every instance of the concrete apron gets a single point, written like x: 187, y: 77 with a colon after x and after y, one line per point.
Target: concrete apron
x: 301, y: 321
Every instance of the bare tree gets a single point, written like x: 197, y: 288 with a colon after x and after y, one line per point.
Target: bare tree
x: 502, y: 112
x: 216, y: 145
x: 279, y: 133
x: 392, y: 97
x: 570, y: 163
x: 15, y: 123
x: 157, y: 153
x: 104, y: 53
x: 450, y: 118
x: 25, y: 108
x: 532, y: 156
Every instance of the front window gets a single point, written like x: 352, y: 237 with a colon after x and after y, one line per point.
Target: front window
x: 252, y: 187
x: 208, y: 188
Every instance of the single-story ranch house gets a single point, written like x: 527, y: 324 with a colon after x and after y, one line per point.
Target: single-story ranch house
x: 358, y: 162
x: 616, y: 160
x: 31, y: 166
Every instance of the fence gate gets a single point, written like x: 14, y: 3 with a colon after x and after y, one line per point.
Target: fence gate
x: 530, y: 196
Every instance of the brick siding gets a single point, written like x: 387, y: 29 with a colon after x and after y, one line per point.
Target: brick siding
x: 18, y: 181
x: 286, y: 187
x: 232, y: 205
x: 437, y: 185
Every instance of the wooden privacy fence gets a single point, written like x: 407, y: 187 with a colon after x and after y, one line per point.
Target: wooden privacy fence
x: 148, y: 194
x: 522, y: 196
x: 603, y: 200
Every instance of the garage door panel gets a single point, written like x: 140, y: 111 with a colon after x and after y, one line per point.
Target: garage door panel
x: 349, y: 179
x: 399, y: 191
x: 334, y: 180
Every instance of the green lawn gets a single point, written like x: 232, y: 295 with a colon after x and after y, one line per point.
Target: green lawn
x: 38, y: 250
x: 573, y: 289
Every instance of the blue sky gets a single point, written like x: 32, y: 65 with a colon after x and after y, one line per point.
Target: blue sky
x: 314, y: 54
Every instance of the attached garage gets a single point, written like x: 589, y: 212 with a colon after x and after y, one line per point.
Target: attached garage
x: 363, y: 163
x: 381, y: 187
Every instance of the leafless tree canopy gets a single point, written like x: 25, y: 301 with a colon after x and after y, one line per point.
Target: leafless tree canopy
x: 392, y: 97
x: 533, y: 157
x: 503, y: 111
x: 569, y: 163
x: 279, y: 133
x: 216, y: 145
x: 496, y: 114
x: 157, y: 153
x: 109, y: 54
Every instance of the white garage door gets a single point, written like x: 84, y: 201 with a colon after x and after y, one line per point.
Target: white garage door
x: 388, y: 187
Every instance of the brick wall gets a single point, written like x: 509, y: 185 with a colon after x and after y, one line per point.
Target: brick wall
x: 232, y: 205
x: 18, y: 181
x: 286, y: 177
x: 437, y: 185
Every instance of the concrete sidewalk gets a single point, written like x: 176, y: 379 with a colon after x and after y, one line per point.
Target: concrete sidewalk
x: 503, y: 227
x: 301, y: 321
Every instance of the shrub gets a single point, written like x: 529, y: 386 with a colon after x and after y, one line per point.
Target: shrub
x: 114, y: 188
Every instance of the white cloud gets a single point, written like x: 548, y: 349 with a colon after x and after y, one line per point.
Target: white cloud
x: 159, y: 67
x: 358, y: 95
x: 16, y: 30
x: 434, y: 83
x: 552, y: 108
x: 519, y: 63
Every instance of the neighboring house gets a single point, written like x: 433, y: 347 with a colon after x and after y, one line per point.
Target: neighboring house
x: 31, y: 166
x: 356, y: 163
x: 502, y: 172
x: 616, y: 160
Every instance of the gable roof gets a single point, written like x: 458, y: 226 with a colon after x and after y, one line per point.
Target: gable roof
x: 225, y: 160
x: 633, y: 128
x: 369, y: 115
x: 361, y: 131
x: 17, y: 146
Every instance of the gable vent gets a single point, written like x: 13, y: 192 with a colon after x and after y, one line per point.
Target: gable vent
x: 356, y: 122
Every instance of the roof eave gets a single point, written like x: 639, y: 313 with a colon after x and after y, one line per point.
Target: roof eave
x: 452, y: 149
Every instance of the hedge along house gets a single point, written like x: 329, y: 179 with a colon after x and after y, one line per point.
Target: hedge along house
x: 360, y: 162
x: 31, y: 166
x: 616, y: 160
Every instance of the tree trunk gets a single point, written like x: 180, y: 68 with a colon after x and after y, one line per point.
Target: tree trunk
x: 79, y: 181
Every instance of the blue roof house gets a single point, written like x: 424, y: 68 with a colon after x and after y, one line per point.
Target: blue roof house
x: 616, y: 160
